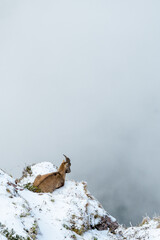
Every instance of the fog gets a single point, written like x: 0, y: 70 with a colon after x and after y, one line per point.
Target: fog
x: 82, y: 78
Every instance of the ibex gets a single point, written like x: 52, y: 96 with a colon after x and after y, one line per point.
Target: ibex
x: 51, y: 181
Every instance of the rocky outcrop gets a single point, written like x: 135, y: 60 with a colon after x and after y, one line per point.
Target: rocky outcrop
x: 70, y: 212
x: 107, y: 223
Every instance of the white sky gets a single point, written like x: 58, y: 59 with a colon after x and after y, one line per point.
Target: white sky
x: 83, y: 78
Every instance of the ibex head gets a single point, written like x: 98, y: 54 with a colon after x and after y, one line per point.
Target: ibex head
x: 67, y: 164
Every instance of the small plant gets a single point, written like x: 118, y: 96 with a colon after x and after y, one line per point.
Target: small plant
x: 86, y: 191
x: 34, y: 230
x: 28, y: 170
x: 158, y: 226
x: 52, y: 200
x: 66, y: 227
x: 7, y: 189
x: 22, y: 215
x: 2, y: 225
x: 78, y: 231
x: 144, y: 221
x: 32, y: 188
x: 73, y: 236
x: 11, y: 235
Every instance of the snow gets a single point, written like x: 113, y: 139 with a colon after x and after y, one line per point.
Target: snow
x: 149, y: 229
x: 15, y: 211
x: 69, y: 207
x: 70, y: 212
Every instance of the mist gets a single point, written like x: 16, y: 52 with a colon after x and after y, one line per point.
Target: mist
x: 82, y: 78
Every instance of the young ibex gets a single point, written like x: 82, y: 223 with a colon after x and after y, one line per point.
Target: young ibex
x: 51, y: 181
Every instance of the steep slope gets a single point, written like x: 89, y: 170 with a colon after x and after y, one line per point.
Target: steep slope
x: 16, y: 217
x: 70, y: 212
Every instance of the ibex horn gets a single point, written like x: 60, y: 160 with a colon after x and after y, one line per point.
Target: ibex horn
x: 67, y: 159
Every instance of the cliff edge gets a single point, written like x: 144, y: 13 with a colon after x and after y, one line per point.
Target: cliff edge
x: 70, y: 212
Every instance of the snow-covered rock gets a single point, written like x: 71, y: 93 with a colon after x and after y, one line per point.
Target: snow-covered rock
x: 16, y: 217
x: 70, y: 212
x: 148, y: 229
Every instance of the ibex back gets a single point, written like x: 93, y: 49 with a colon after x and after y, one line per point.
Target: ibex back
x: 51, y: 181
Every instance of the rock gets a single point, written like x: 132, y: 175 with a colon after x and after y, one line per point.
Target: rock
x: 107, y: 222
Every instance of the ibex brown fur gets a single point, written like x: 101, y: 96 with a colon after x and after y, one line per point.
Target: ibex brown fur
x: 51, y: 181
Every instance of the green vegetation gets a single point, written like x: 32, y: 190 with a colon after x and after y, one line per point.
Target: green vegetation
x: 32, y: 188
x: 66, y: 227
x: 22, y: 215
x: 10, y: 235
x: 28, y: 170
x: 73, y: 236
x: 34, y: 230
x: 78, y: 231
